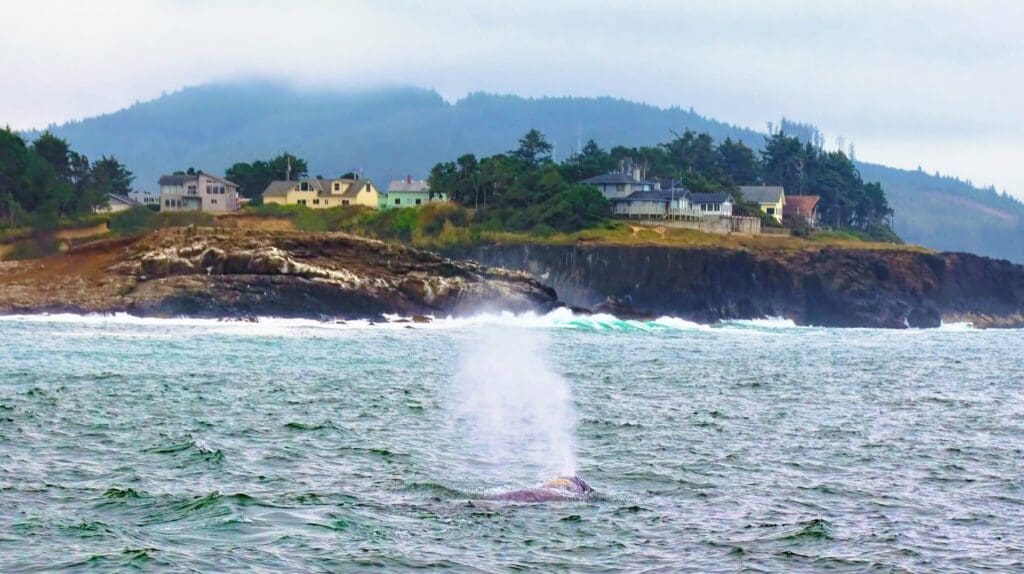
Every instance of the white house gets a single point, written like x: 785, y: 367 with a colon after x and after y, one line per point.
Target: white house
x: 197, y: 192
x: 146, y: 198
x: 116, y: 203
x: 719, y: 203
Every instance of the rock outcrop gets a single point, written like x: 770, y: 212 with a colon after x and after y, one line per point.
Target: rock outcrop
x: 207, y: 272
x: 826, y: 287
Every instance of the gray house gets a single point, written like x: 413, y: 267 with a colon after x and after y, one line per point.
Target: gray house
x: 662, y: 203
x: 618, y: 185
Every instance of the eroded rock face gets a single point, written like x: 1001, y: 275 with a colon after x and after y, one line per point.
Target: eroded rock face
x: 217, y: 273
x: 825, y: 287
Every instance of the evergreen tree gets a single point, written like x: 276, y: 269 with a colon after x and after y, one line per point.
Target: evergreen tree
x: 253, y: 178
x: 533, y: 148
x: 738, y: 162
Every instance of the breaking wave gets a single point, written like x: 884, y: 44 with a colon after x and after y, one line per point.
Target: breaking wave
x: 562, y: 318
x: 275, y: 326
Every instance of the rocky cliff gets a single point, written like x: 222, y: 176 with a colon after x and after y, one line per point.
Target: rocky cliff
x: 827, y: 287
x: 234, y: 272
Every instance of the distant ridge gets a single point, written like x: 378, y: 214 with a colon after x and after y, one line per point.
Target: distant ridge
x: 388, y: 133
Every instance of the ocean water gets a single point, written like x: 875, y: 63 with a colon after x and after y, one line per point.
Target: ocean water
x: 283, y: 445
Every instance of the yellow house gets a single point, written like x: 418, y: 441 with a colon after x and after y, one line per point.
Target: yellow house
x: 771, y: 198
x: 322, y: 193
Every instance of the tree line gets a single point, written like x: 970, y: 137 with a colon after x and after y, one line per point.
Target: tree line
x: 520, y: 190
x: 45, y: 181
x: 523, y: 188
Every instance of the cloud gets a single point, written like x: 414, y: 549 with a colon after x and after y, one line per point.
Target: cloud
x: 872, y: 71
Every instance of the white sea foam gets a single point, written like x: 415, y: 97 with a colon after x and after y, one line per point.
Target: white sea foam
x: 562, y: 318
x: 766, y: 323
x: 964, y: 326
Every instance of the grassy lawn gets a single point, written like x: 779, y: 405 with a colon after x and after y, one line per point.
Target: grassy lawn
x: 441, y: 226
x: 619, y: 233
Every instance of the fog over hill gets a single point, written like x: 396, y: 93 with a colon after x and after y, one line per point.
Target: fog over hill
x: 388, y: 133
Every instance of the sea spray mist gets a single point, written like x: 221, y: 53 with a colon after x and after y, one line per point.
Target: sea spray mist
x: 511, y: 414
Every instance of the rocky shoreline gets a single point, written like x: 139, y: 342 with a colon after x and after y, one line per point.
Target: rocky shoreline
x: 236, y: 273
x: 243, y: 273
x: 830, y: 287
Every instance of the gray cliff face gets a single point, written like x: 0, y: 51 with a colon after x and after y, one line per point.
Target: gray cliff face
x: 826, y: 287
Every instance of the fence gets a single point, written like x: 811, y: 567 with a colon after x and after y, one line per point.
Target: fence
x: 712, y: 224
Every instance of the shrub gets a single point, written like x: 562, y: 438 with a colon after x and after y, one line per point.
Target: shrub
x: 34, y: 248
x: 133, y: 221
x: 797, y: 224
x: 143, y: 220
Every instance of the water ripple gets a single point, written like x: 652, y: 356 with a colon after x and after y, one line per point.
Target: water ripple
x: 294, y: 446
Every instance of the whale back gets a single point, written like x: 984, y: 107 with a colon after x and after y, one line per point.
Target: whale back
x: 561, y: 488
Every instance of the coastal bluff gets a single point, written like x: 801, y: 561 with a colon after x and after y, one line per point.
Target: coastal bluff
x: 221, y: 272
x: 825, y: 286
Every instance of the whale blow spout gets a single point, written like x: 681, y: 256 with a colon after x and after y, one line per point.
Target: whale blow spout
x: 561, y: 488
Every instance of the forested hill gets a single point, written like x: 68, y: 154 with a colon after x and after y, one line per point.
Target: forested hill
x: 393, y: 132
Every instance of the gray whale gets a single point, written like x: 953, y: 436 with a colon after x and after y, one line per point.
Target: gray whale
x: 561, y: 488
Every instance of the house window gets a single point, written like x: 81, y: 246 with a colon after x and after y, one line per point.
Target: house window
x: 770, y: 211
x: 620, y: 187
x: 326, y: 201
x: 344, y: 202
x: 304, y: 186
x: 302, y: 202
x: 316, y: 202
x: 337, y: 186
x: 167, y: 203
x: 419, y: 201
x: 398, y: 201
x: 213, y: 201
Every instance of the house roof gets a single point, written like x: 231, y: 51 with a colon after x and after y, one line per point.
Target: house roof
x: 322, y: 187
x: 800, y: 205
x: 181, y: 178
x: 656, y: 195
x: 357, y: 186
x: 118, y: 198
x: 407, y: 185
x: 177, y: 179
x: 705, y: 198
x: 220, y: 179
x: 278, y: 188
x: 612, y: 178
x: 762, y: 193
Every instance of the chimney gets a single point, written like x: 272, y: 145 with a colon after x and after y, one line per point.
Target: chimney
x: 408, y: 179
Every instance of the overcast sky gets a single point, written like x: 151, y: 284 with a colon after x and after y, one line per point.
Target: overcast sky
x: 930, y: 83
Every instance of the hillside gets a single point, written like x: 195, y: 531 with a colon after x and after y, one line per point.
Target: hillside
x: 389, y: 133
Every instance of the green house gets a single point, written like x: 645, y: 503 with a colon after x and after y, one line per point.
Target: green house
x: 409, y: 192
